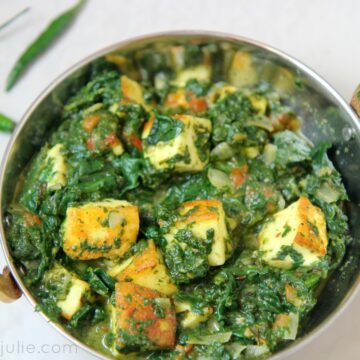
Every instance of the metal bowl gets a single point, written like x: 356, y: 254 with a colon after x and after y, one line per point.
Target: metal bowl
x: 325, y: 115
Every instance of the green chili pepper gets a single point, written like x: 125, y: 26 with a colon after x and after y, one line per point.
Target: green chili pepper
x: 8, y: 22
x: 6, y: 124
x: 42, y: 42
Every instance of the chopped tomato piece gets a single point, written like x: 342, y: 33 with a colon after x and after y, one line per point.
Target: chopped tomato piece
x: 186, y: 100
x: 267, y: 191
x: 90, y: 144
x: 32, y: 219
x: 183, y: 350
x: 177, y: 99
x: 270, y: 207
x: 239, y: 175
x: 198, y: 104
x: 90, y: 122
x: 111, y: 141
x: 135, y: 141
x: 285, y: 121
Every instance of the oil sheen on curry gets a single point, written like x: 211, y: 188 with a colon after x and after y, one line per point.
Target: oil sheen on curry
x: 177, y: 212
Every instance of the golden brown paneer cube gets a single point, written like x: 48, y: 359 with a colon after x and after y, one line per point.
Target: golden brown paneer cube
x: 188, y: 151
x: 131, y: 91
x: 200, y: 217
x: 74, y: 299
x: 68, y: 289
x: 242, y: 71
x: 100, y: 229
x: 183, y: 99
x: 219, y: 91
x: 143, y: 318
x: 200, y: 73
x: 147, y: 269
x: 124, y: 64
x: 300, y: 227
x: 57, y: 178
x: 191, y: 319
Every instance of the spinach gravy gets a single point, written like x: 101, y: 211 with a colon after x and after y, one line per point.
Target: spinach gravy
x: 177, y: 212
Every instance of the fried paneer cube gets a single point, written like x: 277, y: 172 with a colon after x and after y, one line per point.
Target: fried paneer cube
x: 297, y: 232
x: 70, y: 291
x: 191, y: 319
x: 199, y: 72
x: 57, y: 175
x: 185, y: 100
x: 219, y: 91
x: 73, y: 301
x: 100, y: 229
x: 147, y: 269
x: 179, y: 143
x: 131, y: 91
x: 204, y: 218
x: 242, y: 71
x: 142, y: 318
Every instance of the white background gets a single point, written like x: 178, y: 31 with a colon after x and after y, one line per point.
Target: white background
x: 324, y: 34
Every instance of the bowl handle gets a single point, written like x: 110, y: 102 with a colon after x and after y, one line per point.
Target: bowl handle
x: 355, y: 101
x: 9, y: 291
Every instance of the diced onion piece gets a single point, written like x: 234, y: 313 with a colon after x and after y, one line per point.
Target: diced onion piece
x: 235, y: 349
x: 118, y: 149
x: 281, y: 203
x: 262, y: 123
x: 239, y: 319
x: 252, y: 152
x: 222, y: 151
x: 253, y: 351
x: 213, y: 325
x: 269, y: 153
x: 324, y: 170
x: 233, y: 222
x: 292, y: 329
x: 288, y: 325
x: 114, y: 108
x: 210, y: 339
x: 327, y: 193
x: 219, y: 179
x: 160, y: 81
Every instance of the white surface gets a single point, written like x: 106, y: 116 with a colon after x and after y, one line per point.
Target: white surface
x: 324, y: 34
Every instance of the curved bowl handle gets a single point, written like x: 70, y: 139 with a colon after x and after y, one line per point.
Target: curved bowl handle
x: 9, y: 291
x: 355, y: 101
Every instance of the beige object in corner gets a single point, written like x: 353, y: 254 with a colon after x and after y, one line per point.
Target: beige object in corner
x: 355, y: 101
x: 9, y: 290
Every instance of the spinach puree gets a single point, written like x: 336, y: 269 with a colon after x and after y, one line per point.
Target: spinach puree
x: 177, y: 212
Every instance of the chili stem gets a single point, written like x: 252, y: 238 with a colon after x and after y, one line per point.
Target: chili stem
x: 16, y: 16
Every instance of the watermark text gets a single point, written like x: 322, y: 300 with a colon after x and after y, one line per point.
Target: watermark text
x: 23, y: 348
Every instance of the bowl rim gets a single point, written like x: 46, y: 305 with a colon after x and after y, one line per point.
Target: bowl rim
x: 158, y: 36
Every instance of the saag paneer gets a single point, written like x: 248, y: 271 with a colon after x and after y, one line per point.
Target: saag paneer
x: 178, y: 212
